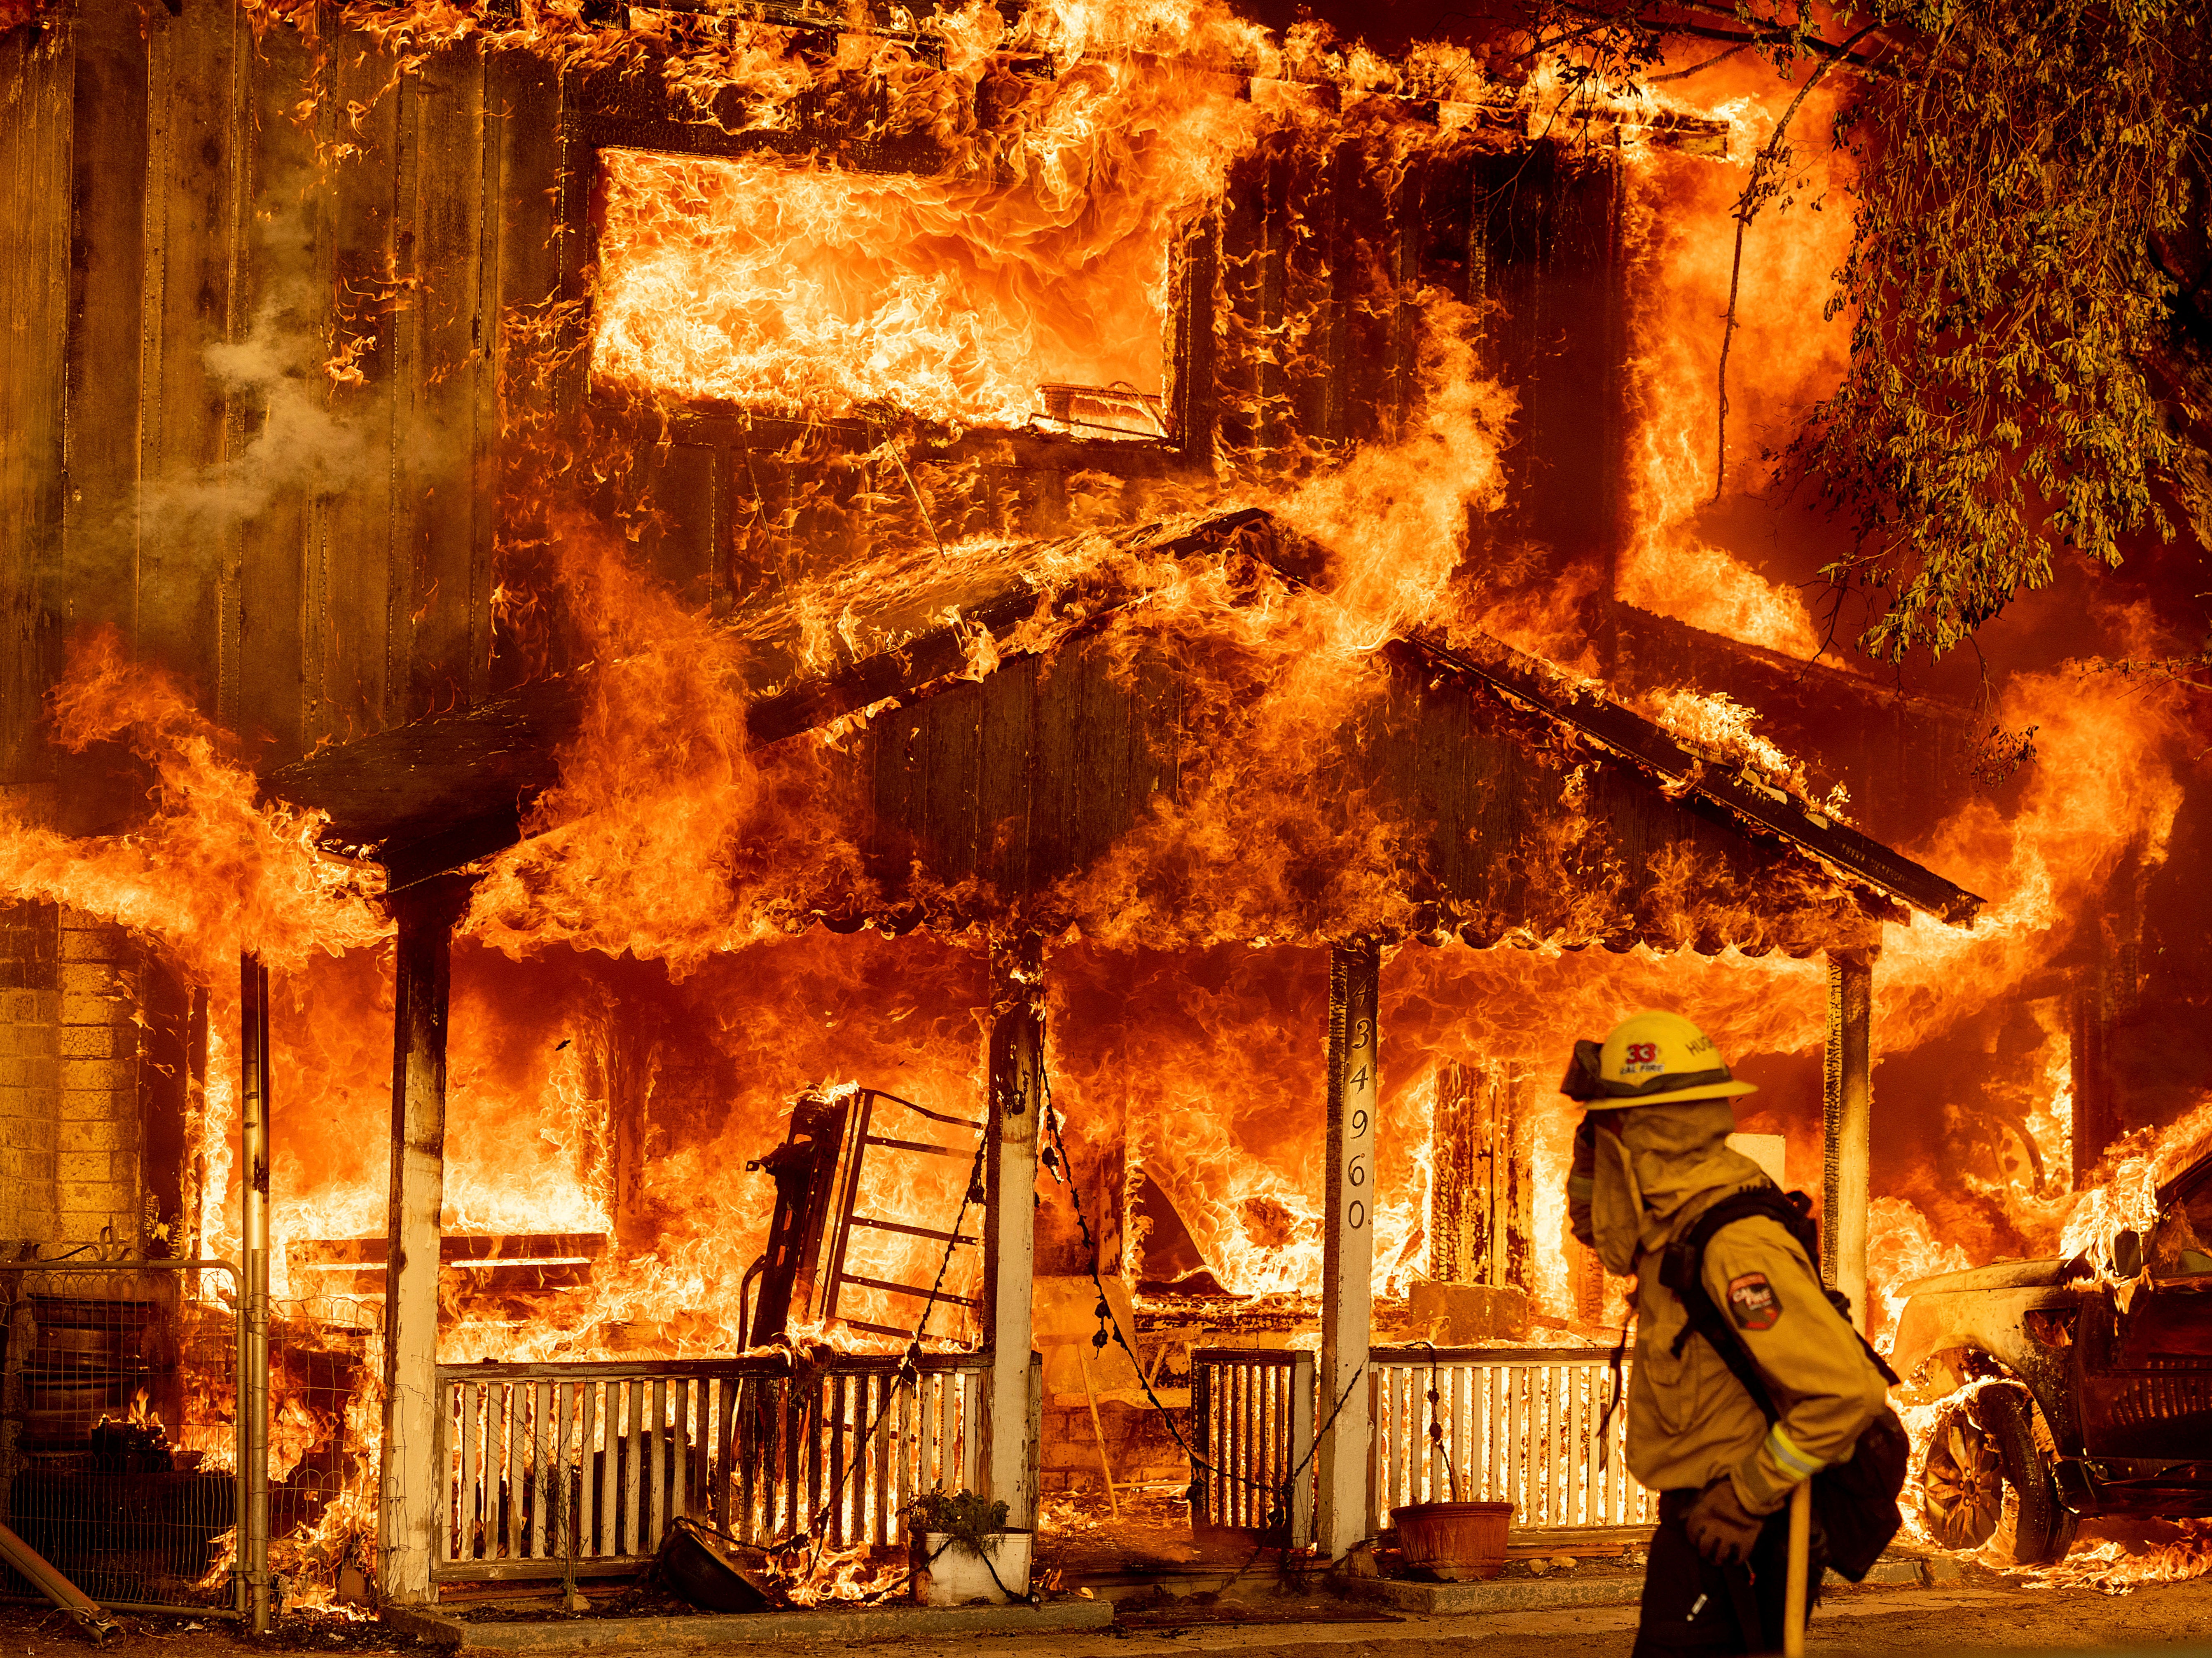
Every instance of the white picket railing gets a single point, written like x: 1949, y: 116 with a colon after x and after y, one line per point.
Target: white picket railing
x: 1519, y: 1425
x: 758, y: 1449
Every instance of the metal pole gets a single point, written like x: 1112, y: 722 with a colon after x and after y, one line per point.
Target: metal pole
x: 253, y: 1323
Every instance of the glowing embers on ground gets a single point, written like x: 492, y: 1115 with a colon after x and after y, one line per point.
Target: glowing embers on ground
x: 791, y: 289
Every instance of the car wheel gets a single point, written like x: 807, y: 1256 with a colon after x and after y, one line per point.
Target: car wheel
x: 2034, y: 1527
x: 1962, y: 1495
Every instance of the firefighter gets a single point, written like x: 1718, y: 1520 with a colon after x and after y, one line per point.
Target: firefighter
x: 1650, y: 1157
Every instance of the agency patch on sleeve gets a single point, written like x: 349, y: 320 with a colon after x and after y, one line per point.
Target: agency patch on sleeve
x: 1753, y: 1302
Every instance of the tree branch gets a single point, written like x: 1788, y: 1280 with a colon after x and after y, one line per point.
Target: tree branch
x: 1747, y: 209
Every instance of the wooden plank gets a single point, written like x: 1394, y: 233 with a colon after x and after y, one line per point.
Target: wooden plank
x: 355, y: 528
x: 972, y: 1394
x: 266, y: 647
x: 536, y: 1399
x: 725, y: 1473
x: 907, y: 1478
x: 609, y: 1516
x: 844, y: 1460
x: 38, y: 202
x: 1448, y: 1384
x: 793, y: 1416
x: 1204, y: 1480
x: 1240, y: 1459
x: 703, y: 1445
x: 187, y: 548
x: 1377, y: 1504
x: 680, y: 1441
x: 439, y: 450
x: 467, y: 1398
x: 933, y: 1444
x: 633, y: 1464
x: 523, y: 156
x: 1593, y: 1476
x: 1007, y: 762
x: 1401, y: 1445
x: 103, y: 213
x: 587, y: 1434
x: 882, y: 1418
x: 1384, y: 1428
x: 508, y: 1527
x: 816, y: 1429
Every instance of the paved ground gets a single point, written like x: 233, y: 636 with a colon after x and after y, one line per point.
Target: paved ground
x: 2164, y: 1616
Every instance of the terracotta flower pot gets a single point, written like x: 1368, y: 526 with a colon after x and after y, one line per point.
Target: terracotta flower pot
x: 1455, y: 1540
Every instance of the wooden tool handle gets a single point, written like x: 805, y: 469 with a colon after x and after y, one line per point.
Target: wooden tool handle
x: 1800, y: 1550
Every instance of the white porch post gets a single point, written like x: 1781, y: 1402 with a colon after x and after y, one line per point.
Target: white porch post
x: 1847, y: 1124
x: 1015, y: 1061
x: 1347, y: 1244
x: 412, y: 1489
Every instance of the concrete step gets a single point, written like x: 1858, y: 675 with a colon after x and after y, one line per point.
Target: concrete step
x: 1071, y: 1616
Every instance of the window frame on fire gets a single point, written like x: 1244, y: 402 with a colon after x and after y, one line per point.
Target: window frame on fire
x: 586, y: 130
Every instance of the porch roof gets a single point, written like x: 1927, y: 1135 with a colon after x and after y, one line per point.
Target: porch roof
x: 439, y: 793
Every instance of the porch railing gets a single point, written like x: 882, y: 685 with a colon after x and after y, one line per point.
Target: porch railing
x: 1252, y: 1414
x: 556, y: 1468
x: 1520, y: 1426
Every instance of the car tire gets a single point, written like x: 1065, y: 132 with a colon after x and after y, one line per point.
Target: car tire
x: 2034, y: 1527
x: 1962, y: 1485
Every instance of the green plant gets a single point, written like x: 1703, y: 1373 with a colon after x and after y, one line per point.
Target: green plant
x: 967, y: 1519
x: 2030, y: 275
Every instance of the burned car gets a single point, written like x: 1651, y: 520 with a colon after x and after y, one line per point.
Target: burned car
x: 2083, y: 1387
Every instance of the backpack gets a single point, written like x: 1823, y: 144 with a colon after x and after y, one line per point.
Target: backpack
x: 1855, y: 1502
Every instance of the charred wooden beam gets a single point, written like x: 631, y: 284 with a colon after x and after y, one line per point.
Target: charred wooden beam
x: 1847, y: 1125
x: 411, y: 1490
x: 1685, y: 772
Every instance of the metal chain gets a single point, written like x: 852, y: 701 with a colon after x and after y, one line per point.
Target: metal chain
x: 907, y: 1372
x: 1279, y: 1512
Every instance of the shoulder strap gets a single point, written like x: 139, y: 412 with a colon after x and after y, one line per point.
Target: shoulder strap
x: 1682, y: 1270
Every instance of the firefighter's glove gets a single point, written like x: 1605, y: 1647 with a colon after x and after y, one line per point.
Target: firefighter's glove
x: 1721, y: 1528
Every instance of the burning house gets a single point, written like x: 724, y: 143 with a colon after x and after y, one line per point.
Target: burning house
x: 757, y: 761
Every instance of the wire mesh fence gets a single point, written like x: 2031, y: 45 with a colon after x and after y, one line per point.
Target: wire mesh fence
x: 325, y: 1424
x: 118, y: 1431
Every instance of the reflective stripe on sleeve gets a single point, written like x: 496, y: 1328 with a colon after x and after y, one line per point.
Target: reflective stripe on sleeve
x: 1788, y: 1457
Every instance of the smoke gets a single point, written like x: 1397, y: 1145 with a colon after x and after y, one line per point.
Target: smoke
x: 281, y: 373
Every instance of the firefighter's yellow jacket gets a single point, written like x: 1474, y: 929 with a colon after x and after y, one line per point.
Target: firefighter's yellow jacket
x: 1690, y: 1420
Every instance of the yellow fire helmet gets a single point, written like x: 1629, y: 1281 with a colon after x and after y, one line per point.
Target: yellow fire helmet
x: 1651, y: 1059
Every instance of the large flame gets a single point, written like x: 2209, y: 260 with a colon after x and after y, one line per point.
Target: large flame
x: 633, y: 1014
